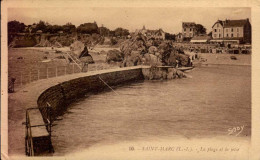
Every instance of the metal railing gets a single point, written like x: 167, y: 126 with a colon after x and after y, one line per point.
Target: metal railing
x: 31, y: 75
x: 29, y: 145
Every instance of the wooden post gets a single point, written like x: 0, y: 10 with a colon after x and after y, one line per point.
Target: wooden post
x: 47, y: 73
x: 38, y: 74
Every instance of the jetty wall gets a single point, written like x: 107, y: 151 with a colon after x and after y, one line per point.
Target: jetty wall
x: 61, y: 95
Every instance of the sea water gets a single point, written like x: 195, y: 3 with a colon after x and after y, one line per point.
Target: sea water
x: 216, y: 101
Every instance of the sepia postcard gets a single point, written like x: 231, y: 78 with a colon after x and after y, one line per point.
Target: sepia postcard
x: 130, y: 79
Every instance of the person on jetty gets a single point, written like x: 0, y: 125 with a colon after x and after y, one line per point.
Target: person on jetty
x: 86, y: 59
x: 80, y: 50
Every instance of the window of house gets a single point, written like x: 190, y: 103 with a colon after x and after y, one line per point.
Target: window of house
x: 219, y: 35
x: 227, y: 35
x: 184, y: 29
x: 215, y: 30
x: 190, y: 29
x: 231, y: 29
x: 232, y: 35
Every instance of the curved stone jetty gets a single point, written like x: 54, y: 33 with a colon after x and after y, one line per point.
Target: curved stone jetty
x: 61, y: 91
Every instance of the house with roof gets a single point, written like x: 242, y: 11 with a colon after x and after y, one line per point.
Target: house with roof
x: 232, y: 31
x: 179, y: 37
x: 189, y: 30
x: 155, y: 34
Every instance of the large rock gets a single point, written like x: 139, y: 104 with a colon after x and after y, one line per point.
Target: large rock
x: 152, y: 50
x: 133, y: 59
x: 184, y: 60
x: 23, y: 41
x: 77, y: 47
x: 146, y: 59
x: 172, y: 72
x: 114, y: 56
x: 155, y: 61
x: 172, y: 59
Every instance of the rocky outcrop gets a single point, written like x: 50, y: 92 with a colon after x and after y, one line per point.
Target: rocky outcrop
x: 141, y: 50
x: 160, y: 73
x: 23, y: 41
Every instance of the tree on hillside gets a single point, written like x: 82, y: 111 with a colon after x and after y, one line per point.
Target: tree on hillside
x: 88, y: 28
x: 40, y: 26
x: 121, y: 32
x: 111, y: 33
x: 15, y: 27
x: 56, y: 28
x: 103, y: 31
x: 49, y: 29
x: 69, y: 28
x: 169, y: 36
x: 201, y: 29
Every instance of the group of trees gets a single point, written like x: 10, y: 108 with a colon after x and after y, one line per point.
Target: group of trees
x: 86, y: 28
x: 45, y: 27
x: 200, y: 29
x: 15, y: 27
x: 169, y: 36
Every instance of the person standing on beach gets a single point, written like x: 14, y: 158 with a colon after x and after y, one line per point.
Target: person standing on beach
x: 86, y: 59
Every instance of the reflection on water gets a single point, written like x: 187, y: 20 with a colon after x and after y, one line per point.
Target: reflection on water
x: 207, y: 105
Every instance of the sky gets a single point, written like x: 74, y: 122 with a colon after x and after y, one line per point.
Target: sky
x: 169, y: 19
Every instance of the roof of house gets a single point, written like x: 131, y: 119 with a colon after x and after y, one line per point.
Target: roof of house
x: 188, y: 24
x: 219, y: 21
x: 232, y: 23
x: 235, y: 23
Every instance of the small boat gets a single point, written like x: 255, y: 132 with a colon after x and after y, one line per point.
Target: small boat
x: 185, y: 68
x: 179, y: 68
